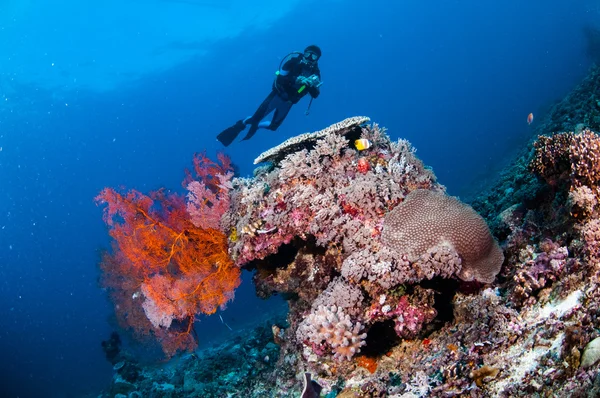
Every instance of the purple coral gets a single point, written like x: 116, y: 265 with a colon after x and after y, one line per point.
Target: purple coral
x: 427, y: 219
x: 538, y: 269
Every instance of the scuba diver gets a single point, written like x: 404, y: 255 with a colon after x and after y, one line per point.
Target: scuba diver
x: 299, y: 75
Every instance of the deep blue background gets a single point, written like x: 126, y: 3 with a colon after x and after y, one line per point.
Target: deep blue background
x: 455, y: 78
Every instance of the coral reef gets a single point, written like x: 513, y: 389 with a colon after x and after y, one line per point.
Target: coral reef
x: 397, y: 303
x: 396, y: 289
x: 367, y: 255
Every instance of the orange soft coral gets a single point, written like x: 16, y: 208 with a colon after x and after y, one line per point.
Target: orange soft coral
x: 164, y: 266
x: 368, y: 363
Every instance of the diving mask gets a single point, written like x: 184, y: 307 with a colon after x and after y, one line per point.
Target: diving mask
x: 311, y: 56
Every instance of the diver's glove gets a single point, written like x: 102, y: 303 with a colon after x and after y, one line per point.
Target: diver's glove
x: 302, y: 81
x: 311, y: 81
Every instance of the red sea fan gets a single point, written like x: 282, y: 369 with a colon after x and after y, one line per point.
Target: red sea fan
x: 164, y: 269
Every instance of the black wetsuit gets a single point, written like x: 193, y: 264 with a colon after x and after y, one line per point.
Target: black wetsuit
x: 286, y: 87
x: 284, y: 94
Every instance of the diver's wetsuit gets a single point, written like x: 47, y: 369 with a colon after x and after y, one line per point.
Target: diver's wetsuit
x: 283, y: 95
x: 285, y: 92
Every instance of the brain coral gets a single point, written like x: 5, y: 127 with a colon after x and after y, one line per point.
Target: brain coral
x: 427, y: 219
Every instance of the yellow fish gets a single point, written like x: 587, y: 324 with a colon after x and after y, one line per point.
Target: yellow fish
x: 234, y: 235
x: 362, y: 144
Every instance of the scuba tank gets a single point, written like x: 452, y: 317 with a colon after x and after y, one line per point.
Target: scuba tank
x: 278, y: 71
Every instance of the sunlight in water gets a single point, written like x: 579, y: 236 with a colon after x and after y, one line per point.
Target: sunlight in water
x: 98, y: 46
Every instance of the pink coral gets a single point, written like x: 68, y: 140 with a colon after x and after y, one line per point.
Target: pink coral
x: 208, y: 196
x: 427, y: 219
x: 204, y: 206
x: 330, y: 328
x: 409, y: 314
x: 363, y: 165
x: 591, y: 237
x: 410, y: 319
x: 319, y: 194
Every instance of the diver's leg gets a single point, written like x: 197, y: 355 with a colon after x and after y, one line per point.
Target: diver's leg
x: 227, y: 136
x: 264, y: 124
x: 263, y: 110
x: 281, y: 112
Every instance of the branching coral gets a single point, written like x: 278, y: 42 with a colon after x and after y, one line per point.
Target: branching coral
x: 331, y: 330
x: 551, y: 160
x: 585, y: 158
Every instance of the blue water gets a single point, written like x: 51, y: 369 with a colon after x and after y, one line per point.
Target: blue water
x: 123, y: 94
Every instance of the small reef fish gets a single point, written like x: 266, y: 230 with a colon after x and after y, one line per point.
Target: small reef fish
x: 362, y: 144
x: 530, y: 118
x: 233, y: 236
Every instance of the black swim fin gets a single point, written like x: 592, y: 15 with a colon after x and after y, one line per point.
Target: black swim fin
x: 251, y: 132
x: 227, y: 136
